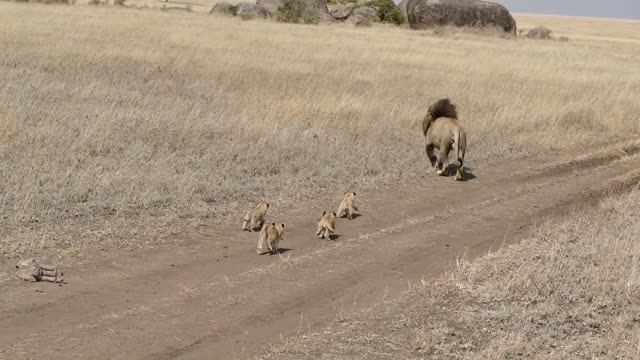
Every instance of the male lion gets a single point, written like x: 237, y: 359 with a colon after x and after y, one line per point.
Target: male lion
x: 326, y: 225
x: 347, y: 205
x: 443, y: 131
x: 272, y: 234
x: 255, y: 216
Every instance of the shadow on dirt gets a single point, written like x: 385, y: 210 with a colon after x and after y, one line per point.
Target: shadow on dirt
x: 468, y: 174
x: 353, y: 217
x: 280, y: 250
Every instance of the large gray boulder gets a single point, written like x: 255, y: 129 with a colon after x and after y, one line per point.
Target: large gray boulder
x: 425, y: 14
x: 223, y: 8
x: 366, y: 12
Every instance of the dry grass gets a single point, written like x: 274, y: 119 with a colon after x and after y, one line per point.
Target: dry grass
x: 585, y: 28
x: 119, y: 126
x: 570, y: 291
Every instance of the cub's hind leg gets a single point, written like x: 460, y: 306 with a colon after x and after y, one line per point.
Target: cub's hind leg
x: 252, y: 224
x: 270, y: 245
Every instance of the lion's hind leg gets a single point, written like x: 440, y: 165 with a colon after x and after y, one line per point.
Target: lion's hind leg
x: 460, y: 171
x: 443, y: 159
x: 431, y: 154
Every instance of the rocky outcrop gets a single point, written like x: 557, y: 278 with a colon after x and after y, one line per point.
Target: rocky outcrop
x: 250, y: 10
x: 424, y: 14
x: 340, y: 12
x: 359, y: 20
x: 366, y: 12
x: 271, y: 6
x: 223, y: 8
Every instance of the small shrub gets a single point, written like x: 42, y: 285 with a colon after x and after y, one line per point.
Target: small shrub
x: 297, y: 11
x: 388, y: 11
x: 119, y: 2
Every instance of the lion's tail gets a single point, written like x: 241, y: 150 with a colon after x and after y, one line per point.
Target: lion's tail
x: 460, y: 145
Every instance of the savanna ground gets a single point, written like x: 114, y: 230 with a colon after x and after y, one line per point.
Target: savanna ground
x: 122, y: 129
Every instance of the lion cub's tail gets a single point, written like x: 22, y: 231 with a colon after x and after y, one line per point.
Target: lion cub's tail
x: 330, y: 227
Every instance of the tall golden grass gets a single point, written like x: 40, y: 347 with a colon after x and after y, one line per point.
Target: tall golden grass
x: 114, y: 119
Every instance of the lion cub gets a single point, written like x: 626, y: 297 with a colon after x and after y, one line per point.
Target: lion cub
x: 272, y: 234
x: 348, y: 205
x: 255, y: 216
x: 327, y: 225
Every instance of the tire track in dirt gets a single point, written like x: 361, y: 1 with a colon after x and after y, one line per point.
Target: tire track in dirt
x: 203, y: 308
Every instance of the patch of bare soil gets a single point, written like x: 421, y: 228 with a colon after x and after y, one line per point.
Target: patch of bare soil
x: 213, y: 297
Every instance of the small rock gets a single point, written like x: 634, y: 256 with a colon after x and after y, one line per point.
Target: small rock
x: 340, y: 12
x: 367, y: 12
x: 360, y: 21
x: 540, y: 33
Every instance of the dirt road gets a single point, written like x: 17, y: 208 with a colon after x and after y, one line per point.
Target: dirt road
x: 212, y: 297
